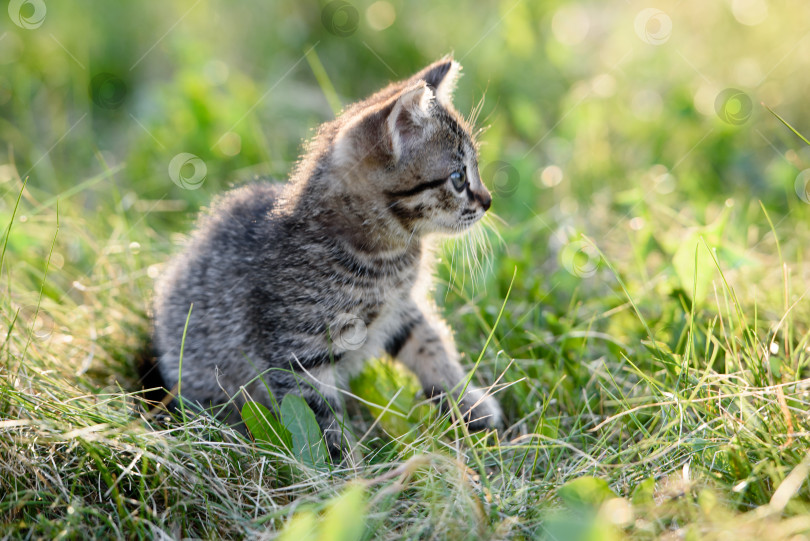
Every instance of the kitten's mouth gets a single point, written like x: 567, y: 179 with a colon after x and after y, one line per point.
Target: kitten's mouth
x: 468, y: 221
x: 461, y: 223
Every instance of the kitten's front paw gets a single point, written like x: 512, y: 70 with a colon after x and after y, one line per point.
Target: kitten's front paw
x: 480, y: 411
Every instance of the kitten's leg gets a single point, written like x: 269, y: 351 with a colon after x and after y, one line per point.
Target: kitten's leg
x: 425, y: 344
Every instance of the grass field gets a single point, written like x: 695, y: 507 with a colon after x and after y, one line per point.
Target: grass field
x: 641, y: 299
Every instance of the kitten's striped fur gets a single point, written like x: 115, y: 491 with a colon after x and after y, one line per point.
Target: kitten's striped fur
x: 283, y: 279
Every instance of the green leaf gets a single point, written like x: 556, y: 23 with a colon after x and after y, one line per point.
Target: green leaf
x: 694, y: 267
x: 656, y: 346
x: 776, y: 365
x: 344, y: 520
x: 390, y: 394
x: 307, y: 440
x: 585, y: 492
x: 576, y: 527
x: 550, y: 428
x: 644, y: 492
x: 265, y: 427
x: 302, y: 527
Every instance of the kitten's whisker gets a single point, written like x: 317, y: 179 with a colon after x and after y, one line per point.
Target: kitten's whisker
x: 492, y: 216
x: 452, y: 263
x: 408, y: 244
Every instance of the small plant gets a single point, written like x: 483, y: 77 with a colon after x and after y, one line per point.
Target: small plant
x: 295, y: 433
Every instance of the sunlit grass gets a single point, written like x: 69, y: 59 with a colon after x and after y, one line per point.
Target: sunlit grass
x: 695, y: 430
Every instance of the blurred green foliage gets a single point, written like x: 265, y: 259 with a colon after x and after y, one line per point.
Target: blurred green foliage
x: 570, y: 84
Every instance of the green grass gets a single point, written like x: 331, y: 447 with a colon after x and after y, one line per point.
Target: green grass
x: 640, y: 297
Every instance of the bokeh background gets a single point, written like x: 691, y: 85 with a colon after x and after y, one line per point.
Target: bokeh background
x: 585, y: 101
x: 629, y: 146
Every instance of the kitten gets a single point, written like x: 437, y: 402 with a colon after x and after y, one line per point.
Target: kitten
x: 294, y: 286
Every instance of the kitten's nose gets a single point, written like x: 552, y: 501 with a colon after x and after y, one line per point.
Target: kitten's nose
x: 482, y: 196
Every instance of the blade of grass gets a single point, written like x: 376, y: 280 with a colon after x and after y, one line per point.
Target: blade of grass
x: 10, y: 223
x: 324, y: 82
x: 786, y: 123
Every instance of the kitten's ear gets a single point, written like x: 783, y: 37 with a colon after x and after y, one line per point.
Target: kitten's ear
x: 387, y: 128
x: 441, y: 77
x: 408, y: 118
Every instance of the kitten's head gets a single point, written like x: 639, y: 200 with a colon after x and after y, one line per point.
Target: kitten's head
x: 408, y: 154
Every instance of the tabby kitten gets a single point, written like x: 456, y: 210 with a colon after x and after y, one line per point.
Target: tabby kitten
x: 294, y: 286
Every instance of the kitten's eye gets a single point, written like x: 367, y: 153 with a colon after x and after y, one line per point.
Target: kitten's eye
x: 459, y: 180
